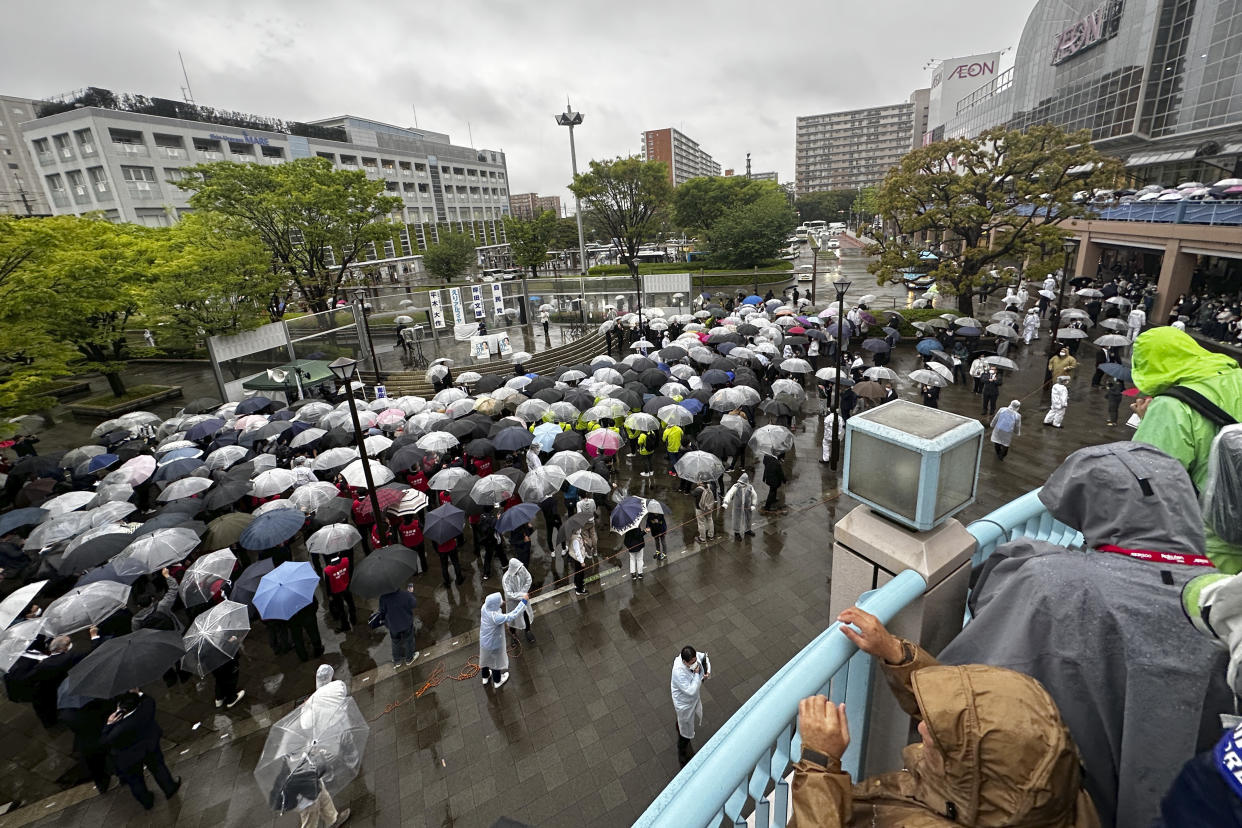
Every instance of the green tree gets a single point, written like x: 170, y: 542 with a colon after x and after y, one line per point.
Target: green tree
x: 628, y: 197
x: 701, y: 202
x: 531, y: 240
x: 450, y: 256
x: 981, y: 202
x: 211, y: 275
x: 750, y: 234
x: 315, y: 221
x: 866, y: 204
x: 825, y: 205
x: 565, y: 234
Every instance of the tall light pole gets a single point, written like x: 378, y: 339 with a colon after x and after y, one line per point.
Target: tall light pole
x: 571, y: 119
x: 842, y: 285
x: 344, y: 369
x: 1069, y: 246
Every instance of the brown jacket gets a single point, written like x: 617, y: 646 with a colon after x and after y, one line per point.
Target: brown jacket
x: 1008, y: 759
x: 1062, y: 365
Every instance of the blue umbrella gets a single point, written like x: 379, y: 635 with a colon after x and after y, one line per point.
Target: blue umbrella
x: 252, y: 405
x: 100, y: 462
x: 187, y: 453
x: 271, y: 529
x: 692, y: 405
x: 725, y: 347
x: 1117, y: 370
x: 444, y: 523
x: 176, y: 470
x: 516, y: 516
x: 628, y: 514
x: 926, y: 346
x: 545, y: 433
x: 107, y: 572
x: 968, y: 331
x: 203, y: 430
x: 513, y: 438
x: 286, y: 589
x: 751, y: 300
x: 715, y: 376
x: 17, y: 518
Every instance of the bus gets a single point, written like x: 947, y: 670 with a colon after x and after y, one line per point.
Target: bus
x: 816, y: 226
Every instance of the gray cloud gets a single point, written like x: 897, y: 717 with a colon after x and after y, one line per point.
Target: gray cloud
x: 732, y: 75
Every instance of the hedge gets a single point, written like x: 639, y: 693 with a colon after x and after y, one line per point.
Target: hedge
x: 684, y: 267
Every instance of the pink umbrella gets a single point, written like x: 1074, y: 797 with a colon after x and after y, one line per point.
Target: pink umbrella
x: 603, y: 440
x: 133, y: 471
x: 390, y: 417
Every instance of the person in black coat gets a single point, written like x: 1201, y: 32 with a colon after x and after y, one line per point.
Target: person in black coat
x: 773, y: 478
x: 87, y: 724
x: 931, y: 396
x: 133, y: 736
x: 991, y: 390
x: 306, y: 620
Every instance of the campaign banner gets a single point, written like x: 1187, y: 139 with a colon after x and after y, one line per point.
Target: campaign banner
x: 480, y: 347
x: 476, y: 300
x: 498, y: 301
x: 502, y: 340
x: 437, y: 309
x: 459, y: 312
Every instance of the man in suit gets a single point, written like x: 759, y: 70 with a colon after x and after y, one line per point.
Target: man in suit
x: 133, y: 736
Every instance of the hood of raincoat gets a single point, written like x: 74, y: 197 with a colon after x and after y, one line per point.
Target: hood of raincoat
x: 1127, y: 494
x: 323, y: 675
x: 1015, y: 404
x: 743, y: 479
x: 1166, y: 356
x: 1004, y: 756
x: 517, y: 579
x: 492, y: 602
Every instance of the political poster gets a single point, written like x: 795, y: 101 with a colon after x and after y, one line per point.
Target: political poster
x: 437, y: 308
x: 498, y: 301
x: 476, y: 300
x: 459, y: 311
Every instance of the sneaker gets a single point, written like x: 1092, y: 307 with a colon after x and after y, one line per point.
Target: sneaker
x: 485, y: 680
x: 736, y: 536
x: 410, y: 660
x: 700, y: 540
x: 633, y: 576
x: 241, y: 694
x: 500, y: 682
x: 749, y: 533
x: 639, y: 576
x: 341, y: 818
x: 581, y: 592
x: 219, y: 703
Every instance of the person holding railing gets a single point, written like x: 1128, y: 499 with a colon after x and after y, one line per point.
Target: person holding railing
x: 994, y: 749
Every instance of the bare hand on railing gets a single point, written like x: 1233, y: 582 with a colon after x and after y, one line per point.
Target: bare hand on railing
x: 823, y: 726
x: 871, y: 637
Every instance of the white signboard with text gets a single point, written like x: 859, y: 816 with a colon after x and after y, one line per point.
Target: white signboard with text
x: 459, y: 312
x: 437, y: 308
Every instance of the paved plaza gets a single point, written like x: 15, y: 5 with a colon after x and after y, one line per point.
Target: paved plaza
x: 583, y: 731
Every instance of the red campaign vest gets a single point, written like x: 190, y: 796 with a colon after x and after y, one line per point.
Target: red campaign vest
x: 360, y: 518
x: 338, y: 576
x: 417, y: 480
x: 412, y: 535
x: 446, y: 547
x: 483, y: 466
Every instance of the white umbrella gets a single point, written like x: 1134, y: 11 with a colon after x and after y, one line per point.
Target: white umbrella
x: 1071, y: 333
x: 931, y: 378
x: 311, y: 496
x: 333, y: 539
x: 1112, y: 341
x: 185, y: 487
x: 354, y: 475
x: 943, y: 370
x: 375, y: 444
x: 68, y: 502
x: 272, y: 482
x: 17, y: 601
x: 437, y: 441
x: 880, y: 373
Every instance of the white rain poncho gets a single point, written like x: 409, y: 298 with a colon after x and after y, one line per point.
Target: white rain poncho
x: 1007, y: 424
x: 740, y: 503
x: 590, y: 541
x: 829, y: 420
x: 492, y: 654
x: 516, y: 582
x: 686, y: 687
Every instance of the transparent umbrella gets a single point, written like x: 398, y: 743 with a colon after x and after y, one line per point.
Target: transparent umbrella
x: 492, y: 490
x: 321, y: 742
x: 185, y: 487
x: 541, y: 483
x: 699, y: 466
x: 930, y: 378
x: 155, y: 550
x: 311, y: 496
x: 84, y: 607
x: 272, y: 482
x: 589, y: 481
x: 333, y: 539
x: 214, y: 637
x: 771, y: 439
x: 197, y: 581
x: 569, y: 461
x: 879, y: 373
x: 17, y: 639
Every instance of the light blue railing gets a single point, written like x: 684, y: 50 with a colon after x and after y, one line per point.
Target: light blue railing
x: 1024, y: 517
x: 1177, y: 212
x: 748, y: 758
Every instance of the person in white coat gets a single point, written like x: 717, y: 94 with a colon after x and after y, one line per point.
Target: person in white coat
x: 1060, y: 402
x: 690, y: 669
x: 1024, y: 296
x: 1006, y: 424
x: 493, y: 655
x: 830, y: 421
x: 516, y: 582
x: 740, y: 503
x: 328, y: 694
x: 1030, y: 326
x: 1135, y: 322
x: 577, y: 560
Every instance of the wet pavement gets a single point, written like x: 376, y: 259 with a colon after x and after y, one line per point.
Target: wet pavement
x: 583, y: 731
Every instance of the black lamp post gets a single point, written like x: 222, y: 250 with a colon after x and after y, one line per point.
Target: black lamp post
x: 841, y: 285
x: 345, y: 369
x: 1069, y: 246
x: 360, y: 296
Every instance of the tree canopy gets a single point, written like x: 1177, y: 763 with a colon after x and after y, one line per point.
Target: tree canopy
x: 450, y: 256
x: 531, y: 240
x: 825, y: 205
x: 980, y: 202
x: 701, y: 202
x: 752, y: 232
x: 314, y: 220
x: 628, y: 197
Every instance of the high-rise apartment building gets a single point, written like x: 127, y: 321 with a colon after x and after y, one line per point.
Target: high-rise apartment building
x: 684, y: 157
x: 529, y: 205
x: 848, y: 150
x: 20, y: 193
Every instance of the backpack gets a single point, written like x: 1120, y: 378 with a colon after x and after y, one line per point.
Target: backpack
x: 1221, y: 498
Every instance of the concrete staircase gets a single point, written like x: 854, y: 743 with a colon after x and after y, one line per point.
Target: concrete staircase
x: 582, y: 350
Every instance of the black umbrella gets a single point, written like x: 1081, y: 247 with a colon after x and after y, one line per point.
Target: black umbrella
x: 538, y: 384
x: 715, y: 376
x: 188, y: 506
x: 29, y: 516
x: 569, y: 441
x: 653, y: 405
x: 500, y: 425
x: 630, y: 398
x: 482, y: 447
x: 171, y: 520
x: 444, y: 523
x: 775, y: 408
x: 719, y: 441
x: 253, y: 405
x: 335, y: 510
x: 464, y: 430
x: 120, y: 664
x: 514, y: 438
x: 579, y: 399
x: 385, y: 570
x: 1081, y: 281
x: 248, y: 582
x: 176, y: 470
x: 549, y: 395
x: 488, y: 383
x: 876, y: 346
x: 405, y: 458
x: 227, y: 493
x: 675, y: 352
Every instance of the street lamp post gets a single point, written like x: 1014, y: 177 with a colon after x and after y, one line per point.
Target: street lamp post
x: 841, y: 285
x: 814, y: 265
x: 571, y: 119
x: 1069, y: 246
x: 344, y: 369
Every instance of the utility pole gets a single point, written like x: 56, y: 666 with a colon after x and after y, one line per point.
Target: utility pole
x: 748, y: 166
x: 571, y: 119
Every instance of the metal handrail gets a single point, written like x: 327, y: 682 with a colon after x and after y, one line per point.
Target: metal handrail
x: 748, y: 759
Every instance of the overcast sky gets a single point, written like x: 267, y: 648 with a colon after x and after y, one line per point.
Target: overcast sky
x: 732, y: 75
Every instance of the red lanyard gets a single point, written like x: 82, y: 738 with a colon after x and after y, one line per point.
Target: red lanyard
x: 1158, y: 557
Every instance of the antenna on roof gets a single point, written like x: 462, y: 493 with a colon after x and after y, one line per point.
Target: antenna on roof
x: 415, y: 108
x: 186, y: 92
x: 470, y: 134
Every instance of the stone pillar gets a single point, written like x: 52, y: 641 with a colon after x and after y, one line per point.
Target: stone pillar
x: 1175, y: 272
x: 1088, y: 263
x: 868, y: 551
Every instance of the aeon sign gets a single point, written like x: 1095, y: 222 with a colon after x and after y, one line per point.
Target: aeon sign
x: 1097, y: 27
x: 963, y: 71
